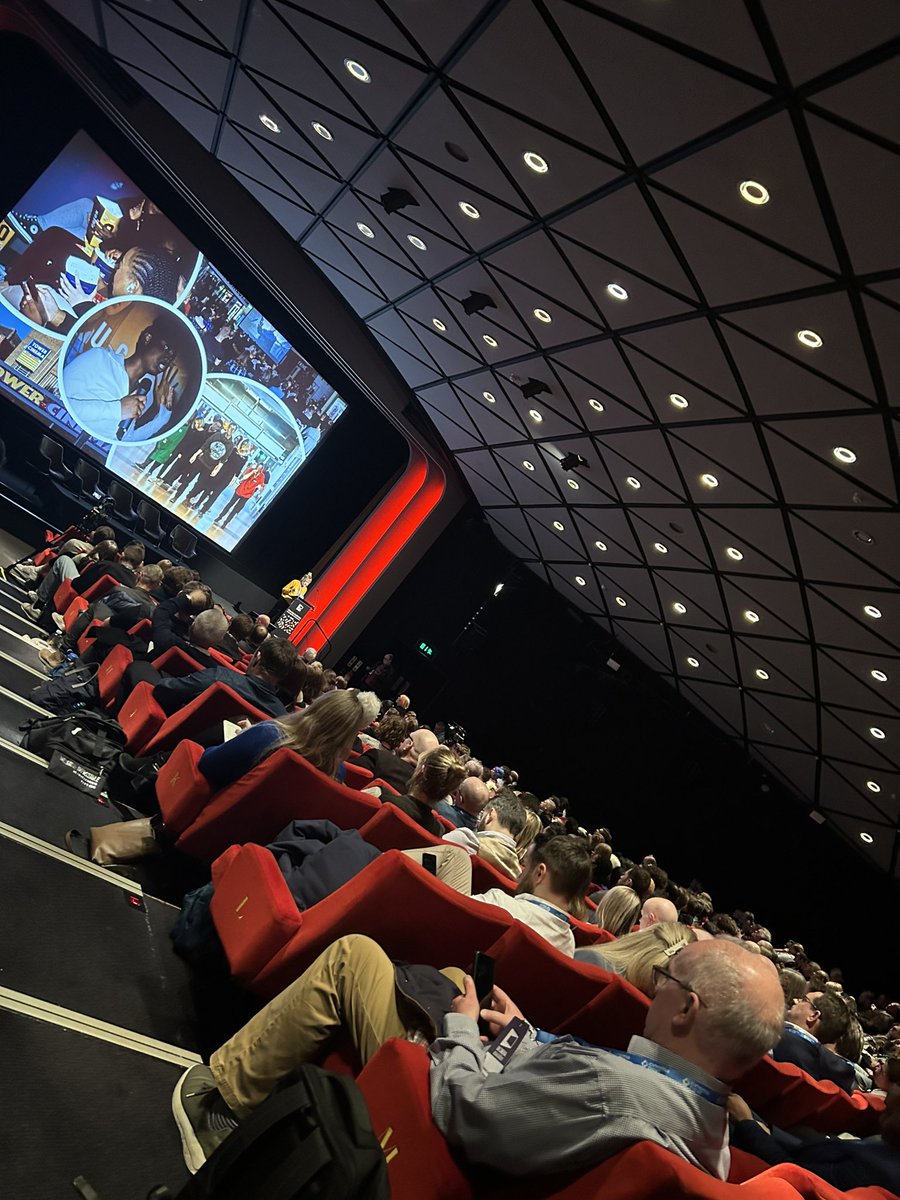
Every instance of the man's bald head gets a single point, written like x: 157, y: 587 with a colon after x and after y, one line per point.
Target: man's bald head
x: 422, y: 741
x: 657, y: 909
x: 473, y: 795
x: 725, y: 1011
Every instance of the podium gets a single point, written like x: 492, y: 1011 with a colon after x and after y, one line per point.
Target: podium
x: 291, y: 617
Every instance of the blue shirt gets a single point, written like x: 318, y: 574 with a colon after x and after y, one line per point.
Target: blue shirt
x: 224, y: 764
x: 457, y: 816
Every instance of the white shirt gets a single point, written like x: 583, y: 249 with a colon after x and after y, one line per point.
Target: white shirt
x: 94, y: 384
x: 540, y: 914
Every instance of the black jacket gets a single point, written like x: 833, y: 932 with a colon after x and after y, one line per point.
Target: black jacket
x: 815, y: 1059
x: 172, y: 694
x: 387, y: 766
x: 316, y: 858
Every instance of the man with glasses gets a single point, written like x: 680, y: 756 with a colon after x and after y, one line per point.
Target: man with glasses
x: 526, y: 1102
x: 813, y: 1026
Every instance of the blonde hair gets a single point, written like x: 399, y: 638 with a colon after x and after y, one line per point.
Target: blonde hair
x: 529, y: 832
x: 438, y: 773
x: 618, y: 910
x: 636, y: 954
x: 324, y: 732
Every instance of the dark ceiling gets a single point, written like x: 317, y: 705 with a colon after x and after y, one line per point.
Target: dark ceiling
x: 735, y: 521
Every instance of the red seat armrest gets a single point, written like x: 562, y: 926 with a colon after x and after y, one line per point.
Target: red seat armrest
x: 254, y: 912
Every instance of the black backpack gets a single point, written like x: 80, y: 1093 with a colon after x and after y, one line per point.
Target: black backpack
x: 311, y: 1140
x: 85, y: 739
x: 73, y: 688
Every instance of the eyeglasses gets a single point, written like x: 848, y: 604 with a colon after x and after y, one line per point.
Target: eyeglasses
x: 660, y: 973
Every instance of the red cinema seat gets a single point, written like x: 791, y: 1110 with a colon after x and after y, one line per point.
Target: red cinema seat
x: 87, y: 638
x: 253, y: 909
x: 48, y: 554
x: 389, y: 828
x: 547, y: 985
x: 486, y: 876
x: 175, y: 661
x: 590, y: 935
x: 221, y: 658
x: 786, y: 1096
x: 140, y: 716
x: 63, y: 596
x: 182, y: 789
x: 611, y: 1018
x: 283, y: 787
x: 142, y: 630
x: 377, y: 902
x: 420, y: 1163
x: 217, y: 703
x: 111, y: 671
x: 357, y: 777
x: 78, y: 606
x: 99, y: 588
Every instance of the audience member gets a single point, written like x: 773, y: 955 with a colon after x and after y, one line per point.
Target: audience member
x: 500, y: 822
x: 469, y: 799
x: 657, y: 909
x: 634, y: 955
x: 436, y: 774
x: 618, y: 911
x: 269, y: 668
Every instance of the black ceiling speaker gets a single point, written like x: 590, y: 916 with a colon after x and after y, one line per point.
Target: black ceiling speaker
x: 476, y: 302
x: 571, y: 461
x: 534, y: 387
x: 396, y: 198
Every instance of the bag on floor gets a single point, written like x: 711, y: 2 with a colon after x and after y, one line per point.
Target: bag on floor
x: 84, y: 739
x: 194, y: 935
x: 311, y: 1138
x: 124, y: 841
x: 75, y: 688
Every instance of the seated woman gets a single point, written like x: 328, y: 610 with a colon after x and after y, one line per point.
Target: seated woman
x: 618, y: 910
x: 634, y: 955
x: 437, y: 774
x: 323, y: 734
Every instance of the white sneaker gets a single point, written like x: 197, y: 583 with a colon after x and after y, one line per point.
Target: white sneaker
x: 59, y: 621
x: 25, y: 573
x: 31, y: 611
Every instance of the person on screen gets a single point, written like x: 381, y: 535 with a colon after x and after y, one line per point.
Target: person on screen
x: 179, y: 461
x: 101, y: 388
x: 249, y: 484
x: 203, y: 462
x: 231, y: 468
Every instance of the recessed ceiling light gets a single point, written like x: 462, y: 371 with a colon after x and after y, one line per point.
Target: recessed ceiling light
x: 768, y: 728
x: 543, y: 315
x: 879, y: 676
x: 865, y: 538
x: 416, y: 241
x: 692, y: 662
x: 537, y: 164
x: 679, y: 608
x: 600, y: 546
x: 733, y: 552
x: 535, y: 416
x: 490, y: 397
x: 809, y: 337
x: 660, y: 548
x: 271, y: 125
x: 842, y: 454
x: 866, y: 837
x: 365, y: 230
x: 558, y: 525
x: 469, y: 210
x: 873, y: 786
x: 357, y: 70
x: 321, y: 130
x: 439, y: 325
x: 678, y: 400
x: 621, y: 602
x: 753, y: 192
x: 632, y: 482
x: 573, y: 484
x: 751, y: 616
x: 761, y: 674
x: 616, y: 291
x: 877, y: 733
x: 489, y: 341
x: 529, y: 466
x: 709, y: 481
x: 871, y: 611
x: 595, y: 404
x: 580, y: 580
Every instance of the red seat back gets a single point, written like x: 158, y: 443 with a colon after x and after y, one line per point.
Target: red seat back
x: 486, y: 876
x: 143, y: 629
x: 175, y: 661
x: 785, y: 1095
x: 221, y: 658
x: 88, y: 636
x: 111, y: 671
x: 216, y: 703
x: 612, y: 1018
x: 140, y: 716
x: 282, y: 788
x: 74, y: 611
x: 64, y: 595
x: 253, y: 910
x: 99, y: 588
x: 357, y: 777
x: 181, y: 788
x: 391, y: 829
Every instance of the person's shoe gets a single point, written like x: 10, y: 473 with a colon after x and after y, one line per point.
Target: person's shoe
x: 31, y: 611
x: 203, y: 1118
x: 59, y: 621
x: 38, y: 643
x: 25, y: 573
x: 51, y: 657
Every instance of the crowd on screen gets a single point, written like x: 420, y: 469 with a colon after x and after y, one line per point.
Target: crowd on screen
x: 723, y: 993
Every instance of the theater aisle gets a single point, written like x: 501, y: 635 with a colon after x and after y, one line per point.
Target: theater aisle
x: 96, y: 1015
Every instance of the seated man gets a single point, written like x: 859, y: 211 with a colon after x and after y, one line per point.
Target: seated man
x: 657, y: 909
x: 75, y: 549
x: 270, y: 668
x: 173, y: 617
x: 557, y: 1104
x: 120, y: 608
x: 470, y: 798
x: 556, y: 872
x: 40, y: 607
x: 122, y: 569
x: 813, y: 1025
x: 494, y: 839
x: 396, y: 759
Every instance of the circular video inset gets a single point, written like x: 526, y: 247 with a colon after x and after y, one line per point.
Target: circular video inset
x: 132, y: 371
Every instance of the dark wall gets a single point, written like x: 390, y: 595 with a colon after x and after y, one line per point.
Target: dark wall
x: 529, y: 683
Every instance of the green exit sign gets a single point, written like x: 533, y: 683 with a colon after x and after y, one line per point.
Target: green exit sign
x: 425, y: 649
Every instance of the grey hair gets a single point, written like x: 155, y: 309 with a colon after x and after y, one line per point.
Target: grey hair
x: 736, y: 1029
x: 208, y: 628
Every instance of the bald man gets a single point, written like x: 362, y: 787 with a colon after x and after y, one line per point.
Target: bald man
x: 465, y: 808
x: 716, y: 1011
x: 396, y: 767
x: 657, y: 909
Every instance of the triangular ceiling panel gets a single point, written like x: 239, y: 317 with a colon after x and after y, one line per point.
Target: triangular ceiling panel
x: 757, y: 535
x: 707, y: 450
x: 781, y: 667
x: 691, y: 350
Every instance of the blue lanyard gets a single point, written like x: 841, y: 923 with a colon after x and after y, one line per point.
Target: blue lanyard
x: 547, y: 908
x: 800, y: 1033
x: 693, y: 1085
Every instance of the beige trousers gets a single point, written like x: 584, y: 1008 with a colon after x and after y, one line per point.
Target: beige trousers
x: 454, y: 865
x: 350, y: 986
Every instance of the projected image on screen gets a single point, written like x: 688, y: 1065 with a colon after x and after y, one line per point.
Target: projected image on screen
x: 136, y: 348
